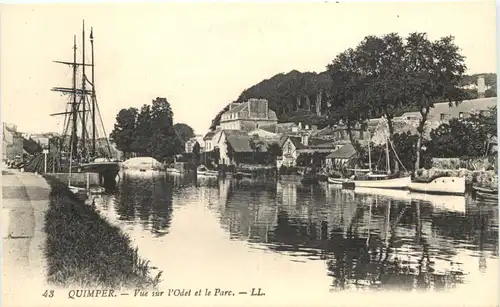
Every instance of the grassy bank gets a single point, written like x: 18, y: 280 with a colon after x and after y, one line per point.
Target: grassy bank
x: 84, y: 250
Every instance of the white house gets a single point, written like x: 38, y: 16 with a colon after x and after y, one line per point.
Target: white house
x: 289, y: 152
x: 188, y: 147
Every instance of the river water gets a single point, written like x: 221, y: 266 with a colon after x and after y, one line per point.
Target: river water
x: 299, y: 243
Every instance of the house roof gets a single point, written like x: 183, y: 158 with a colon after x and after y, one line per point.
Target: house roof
x: 239, y: 140
x: 264, y: 134
x: 210, y: 134
x: 345, y: 152
x: 236, y: 107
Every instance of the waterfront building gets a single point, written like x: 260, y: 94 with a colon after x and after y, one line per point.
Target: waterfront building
x: 239, y: 142
x: 288, y: 147
x: 341, y: 156
x: 441, y: 113
x: 208, y: 139
x: 12, y: 142
x: 249, y: 115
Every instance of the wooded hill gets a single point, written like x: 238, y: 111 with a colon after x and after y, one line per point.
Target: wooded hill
x: 303, y: 97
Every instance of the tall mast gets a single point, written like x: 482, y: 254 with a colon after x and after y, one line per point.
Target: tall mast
x: 84, y: 96
x: 74, y: 106
x: 387, y: 158
x: 93, y: 93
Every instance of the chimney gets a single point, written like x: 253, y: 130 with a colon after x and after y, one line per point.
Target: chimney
x: 481, y: 87
x: 230, y: 106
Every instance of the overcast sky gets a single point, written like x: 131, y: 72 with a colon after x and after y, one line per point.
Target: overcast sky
x: 201, y: 56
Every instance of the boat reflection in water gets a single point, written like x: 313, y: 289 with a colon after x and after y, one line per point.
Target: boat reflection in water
x: 294, y: 238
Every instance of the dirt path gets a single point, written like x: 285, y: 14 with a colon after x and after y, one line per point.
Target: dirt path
x: 25, y: 198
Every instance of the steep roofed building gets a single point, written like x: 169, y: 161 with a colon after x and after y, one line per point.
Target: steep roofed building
x: 250, y: 115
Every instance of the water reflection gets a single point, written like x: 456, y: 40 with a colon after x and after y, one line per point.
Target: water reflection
x: 146, y: 201
x: 369, y: 240
x: 366, y: 239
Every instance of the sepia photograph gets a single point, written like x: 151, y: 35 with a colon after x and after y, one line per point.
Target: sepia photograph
x: 333, y: 153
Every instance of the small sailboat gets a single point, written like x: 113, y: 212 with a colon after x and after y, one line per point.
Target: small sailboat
x: 440, y: 185
x: 379, y: 181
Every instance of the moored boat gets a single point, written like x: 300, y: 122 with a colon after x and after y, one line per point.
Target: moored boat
x: 440, y: 185
x: 205, y: 172
x: 485, y: 193
x: 400, y: 183
x: 173, y: 171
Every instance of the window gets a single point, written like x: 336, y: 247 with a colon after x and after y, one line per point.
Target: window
x: 442, y: 116
x: 257, y: 126
x: 461, y: 115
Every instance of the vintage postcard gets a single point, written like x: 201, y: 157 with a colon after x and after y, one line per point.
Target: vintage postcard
x: 249, y: 154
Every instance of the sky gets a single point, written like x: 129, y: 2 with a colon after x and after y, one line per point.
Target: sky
x: 201, y: 56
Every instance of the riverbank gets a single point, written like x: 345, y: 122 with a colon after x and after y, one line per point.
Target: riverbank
x: 84, y: 250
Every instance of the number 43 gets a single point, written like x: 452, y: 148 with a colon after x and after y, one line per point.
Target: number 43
x: 48, y: 293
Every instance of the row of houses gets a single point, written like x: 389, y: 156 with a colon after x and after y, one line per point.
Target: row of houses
x: 252, y: 122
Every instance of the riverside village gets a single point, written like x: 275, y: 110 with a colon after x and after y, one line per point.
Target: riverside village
x: 378, y: 172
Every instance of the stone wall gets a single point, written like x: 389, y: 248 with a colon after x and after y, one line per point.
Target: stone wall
x: 77, y: 179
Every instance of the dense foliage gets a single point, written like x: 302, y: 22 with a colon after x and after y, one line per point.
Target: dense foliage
x: 464, y: 137
x: 387, y: 74
x: 148, y: 132
x: 184, y: 132
x: 382, y: 76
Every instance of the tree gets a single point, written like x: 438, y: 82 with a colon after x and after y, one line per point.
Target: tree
x: 274, y: 150
x: 346, y: 92
x: 123, y: 134
x: 381, y: 62
x: 467, y: 137
x: 196, y: 153
x: 144, y: 131
x: 434, y: 72
x: 165, y: 142
x: 184, y: 132
x: 256, y: 146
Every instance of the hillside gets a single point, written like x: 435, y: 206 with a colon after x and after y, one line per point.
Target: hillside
x: 294, y: 96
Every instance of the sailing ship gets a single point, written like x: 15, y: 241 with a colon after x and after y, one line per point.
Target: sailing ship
x: 84, y: 154
x: 380, y: 181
